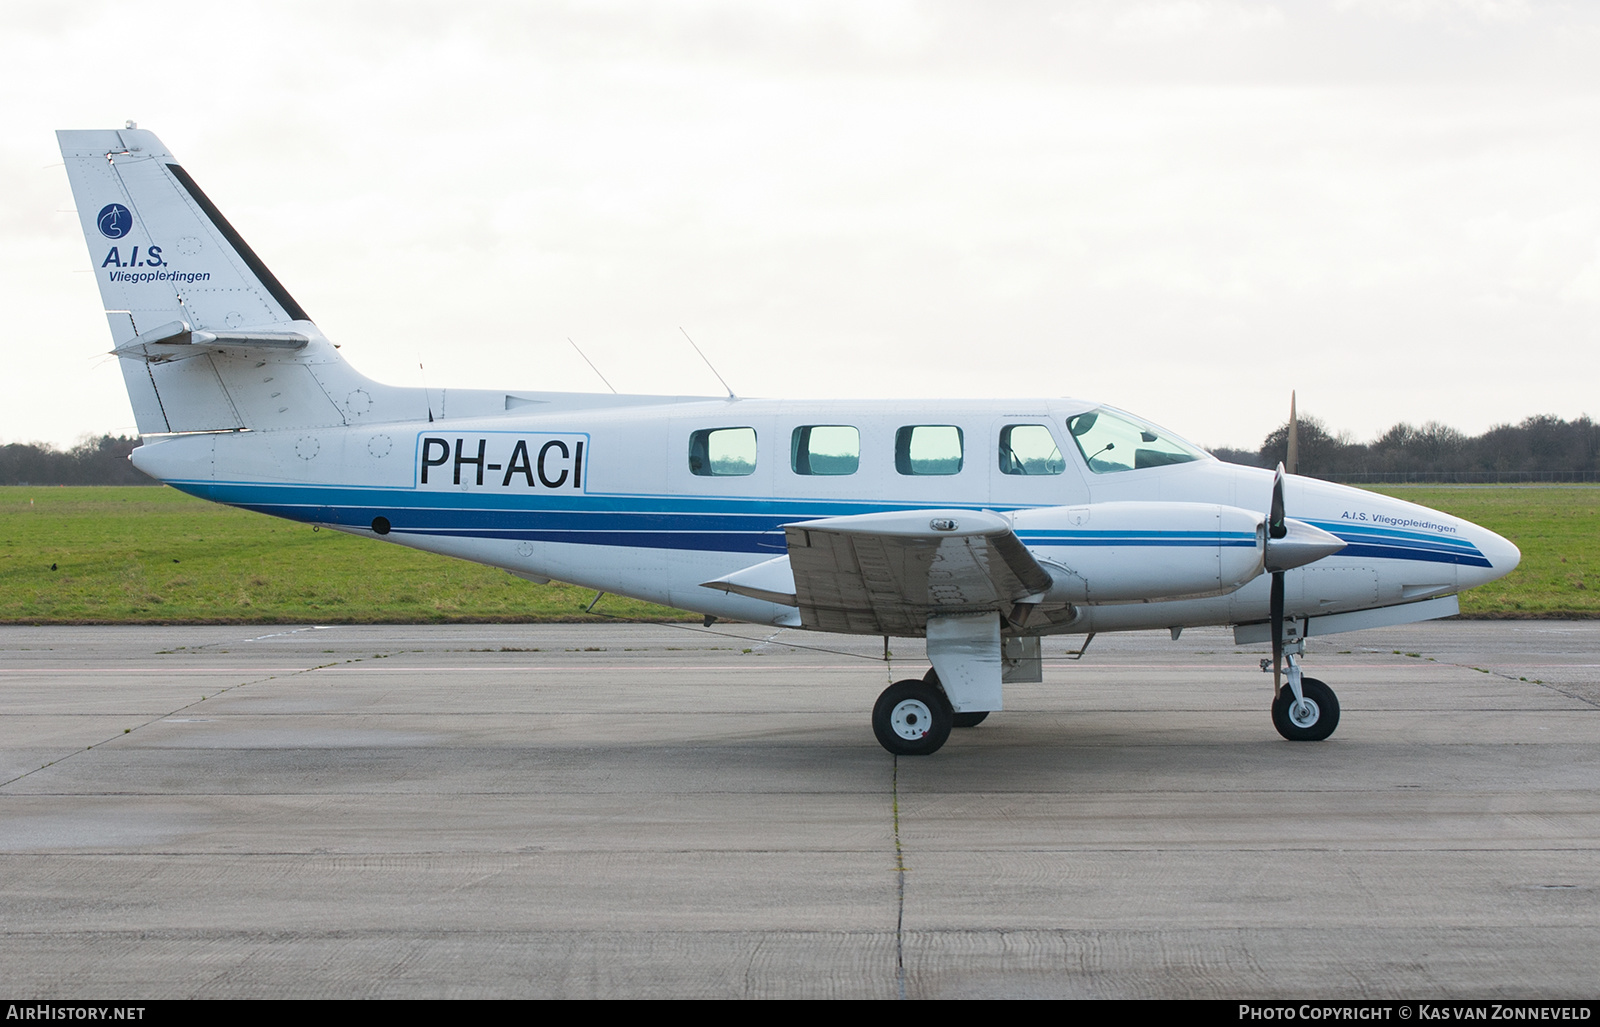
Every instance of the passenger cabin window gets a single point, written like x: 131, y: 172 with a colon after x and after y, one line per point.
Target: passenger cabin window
x: 825, y: 449
x: 1112, y: 441
x: 928, y: 449
x: 715, y: 452
x: 1029, y: 449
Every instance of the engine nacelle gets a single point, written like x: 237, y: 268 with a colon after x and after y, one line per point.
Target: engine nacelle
x: 1143, y: 552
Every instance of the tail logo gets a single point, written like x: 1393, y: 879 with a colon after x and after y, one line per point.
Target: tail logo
x: 115, y: 221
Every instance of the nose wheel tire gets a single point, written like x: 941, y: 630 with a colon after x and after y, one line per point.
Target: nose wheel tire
x: 1311, y: 720
x: 912, y: 718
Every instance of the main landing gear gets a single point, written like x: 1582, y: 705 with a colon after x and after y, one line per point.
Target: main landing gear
x: 960, y: 719
x: 914, y: 718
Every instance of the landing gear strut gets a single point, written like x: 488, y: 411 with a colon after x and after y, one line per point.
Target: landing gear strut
x: 960, y: 719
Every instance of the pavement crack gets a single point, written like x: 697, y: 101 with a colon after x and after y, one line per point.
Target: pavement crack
x: 751, y: 984
x: 1553, y: 686
x: 172, y: 713
x: 900, y: 881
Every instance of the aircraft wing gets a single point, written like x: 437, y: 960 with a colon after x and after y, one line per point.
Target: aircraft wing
x: 887, y: 573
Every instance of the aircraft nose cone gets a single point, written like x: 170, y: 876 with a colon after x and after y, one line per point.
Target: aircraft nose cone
x: 1501, y: 554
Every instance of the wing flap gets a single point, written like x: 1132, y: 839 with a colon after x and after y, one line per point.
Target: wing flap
x: 888, y: 573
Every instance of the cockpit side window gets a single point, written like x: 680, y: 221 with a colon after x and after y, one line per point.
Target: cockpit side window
x: 1029, y: 449
x: 1113, y: 441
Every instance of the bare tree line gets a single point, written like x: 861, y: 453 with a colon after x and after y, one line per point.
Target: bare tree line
x: 1542, y: 448
x: 102, y: 461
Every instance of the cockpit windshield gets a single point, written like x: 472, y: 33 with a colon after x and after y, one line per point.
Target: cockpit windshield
x: 1112, y: 441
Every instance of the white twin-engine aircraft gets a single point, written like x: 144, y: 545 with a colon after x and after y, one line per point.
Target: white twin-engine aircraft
x: 981, y: 525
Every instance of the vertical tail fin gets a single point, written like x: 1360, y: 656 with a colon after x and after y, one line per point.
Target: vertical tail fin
x: 161, y: 250
x: 189, y: 303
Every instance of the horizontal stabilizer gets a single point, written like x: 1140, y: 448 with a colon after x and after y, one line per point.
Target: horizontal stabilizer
x: 176, y: 339
x: 887, y: 573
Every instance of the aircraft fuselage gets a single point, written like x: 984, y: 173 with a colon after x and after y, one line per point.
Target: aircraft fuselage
x: 605, y: 494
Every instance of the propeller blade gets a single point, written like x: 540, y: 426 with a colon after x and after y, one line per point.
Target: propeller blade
x: 1292, y: 457
x: 1276, y: 528
x: 1277, y: 633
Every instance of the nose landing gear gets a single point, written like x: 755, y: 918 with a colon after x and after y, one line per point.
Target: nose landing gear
x: 1310, y: 716
x: 1305, y: 710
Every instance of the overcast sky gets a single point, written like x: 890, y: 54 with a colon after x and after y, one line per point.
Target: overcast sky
x: 1180, y: 207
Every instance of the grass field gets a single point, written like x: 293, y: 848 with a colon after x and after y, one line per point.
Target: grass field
x: 155, y: 555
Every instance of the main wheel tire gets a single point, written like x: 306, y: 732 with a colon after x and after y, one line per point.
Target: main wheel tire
x: 959, y: 719
x: 912, y: 718
x: 1311, y: 721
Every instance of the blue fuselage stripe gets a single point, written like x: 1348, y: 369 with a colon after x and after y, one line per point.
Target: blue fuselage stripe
x: 712, y: 524
x: 1375, y: 542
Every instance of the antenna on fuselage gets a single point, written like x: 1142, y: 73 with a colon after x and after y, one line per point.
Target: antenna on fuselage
x: 426, y: 396
x: 596, y: 370
x: 708, y: 364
